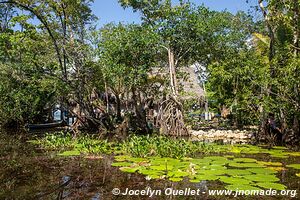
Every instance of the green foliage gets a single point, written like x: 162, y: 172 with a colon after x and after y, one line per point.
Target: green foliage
x: 127, y: 53
x: 259, y: 75
x: 210, y: 168
x: 58, y: 140
x: 143, y: 146
x: 82, y: 144
x: 295, y: 166
x: 70, y: 153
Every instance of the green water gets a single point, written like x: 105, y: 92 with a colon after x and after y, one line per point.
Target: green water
x: 27, y: 172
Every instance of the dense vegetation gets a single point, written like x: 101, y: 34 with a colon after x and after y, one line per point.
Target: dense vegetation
x: 53, y: 53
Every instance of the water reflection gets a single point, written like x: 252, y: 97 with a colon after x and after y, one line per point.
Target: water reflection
x: 26, y: 173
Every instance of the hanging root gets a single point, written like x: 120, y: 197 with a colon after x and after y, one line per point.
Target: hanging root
x: 170, y: 118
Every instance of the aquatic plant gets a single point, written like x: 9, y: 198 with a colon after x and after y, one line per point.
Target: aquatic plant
x: 57, y: 140
x: 70, y: 146
x: 70, y: 153
x: 253, y: 174
x: 161, y: 146
x: 144, y: 146
x: 295, y: 166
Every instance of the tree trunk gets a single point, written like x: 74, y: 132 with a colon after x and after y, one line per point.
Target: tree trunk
x: 172, y: 71
x: 296, y: 28
x: 268, y: 91
x: 118, y: 101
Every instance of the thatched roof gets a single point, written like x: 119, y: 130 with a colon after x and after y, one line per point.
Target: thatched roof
x: 191, y: 86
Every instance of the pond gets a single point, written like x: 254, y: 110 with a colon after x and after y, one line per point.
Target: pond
x: 29, y: 172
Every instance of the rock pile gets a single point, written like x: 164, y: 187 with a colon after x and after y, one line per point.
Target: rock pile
x: 223, y: 134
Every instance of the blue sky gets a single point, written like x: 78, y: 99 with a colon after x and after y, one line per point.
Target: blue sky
x: 110, y: 10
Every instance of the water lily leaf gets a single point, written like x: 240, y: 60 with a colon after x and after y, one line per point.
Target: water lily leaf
x: 137, y: 159
x: 278, y: 169
x: 236, y: 187
x: 261, y: 170
x: 162, y: 167
x: 163, y: 160
x: 154, y: 176
x: 175, y: 179
x: 262, y: 178
x: 245, y: 160
x: 149, y: 172
x: 238, y: 172
x: 205, y: 177
x: 195, y: 180
x: 187, y: 159
x: 294, y: 153
x: 278, y: 155
x: 245, y: 165
x: 70, y: 153
x: 274, y: 186
x: 234, y: 180
x: 276, y: 164
x: 211, y: 172
x: 280, y: 147
x: 214, y: 158
x: 213, y: 167
x: 122, y: 158
x: 129, y: 169
x: 200, y: 162
x: 177, y: 174
x: 93, y: 157
x: 236, y: 150
x: 295, y: 166
x: 121, y: 164
x: 183, y: 165
x: 219, y: 162
x: 229, y: 156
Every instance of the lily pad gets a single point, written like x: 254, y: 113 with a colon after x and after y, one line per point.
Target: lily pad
x: 245, y: 160
x: 153, y: 176
x: 211, y: 172
x: 145, y: 171
x: 121, y: 164
x: 274, y: 186
x: 279, y: 155
x: 122, y: 158
x: 174, y: 179
x: 294, y: 153
x: 261, y: 171
x: 278, y: 169
x: 137, y: 159
x: 129, y: 169
x: 70, y: 153
x: 244, y: 165
x: 177, y: 174
x: 295, y: 166
x: 234, y: 180
x: 276, y: 164
x: 159, y: 167
x: 280, y: 147
x: 262, y: 178
x: 214, y: 158
x: 238, y: 172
